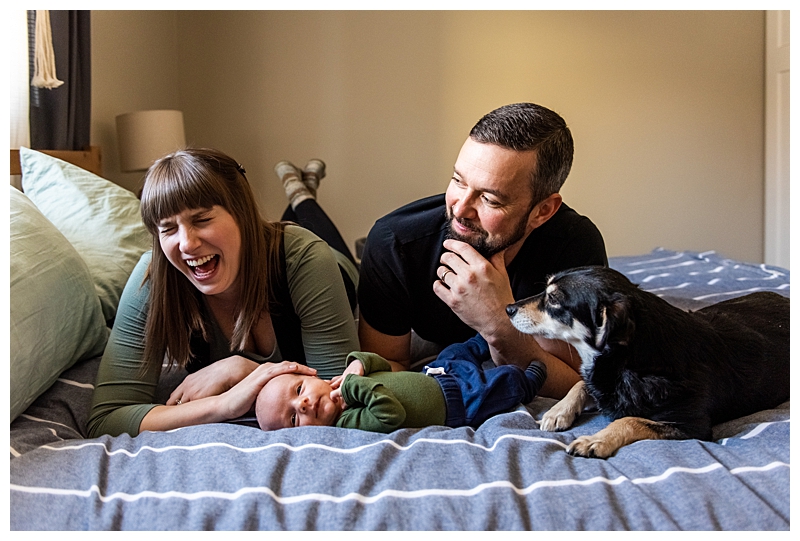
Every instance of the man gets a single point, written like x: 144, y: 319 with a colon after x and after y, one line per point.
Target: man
x: 447, y: 266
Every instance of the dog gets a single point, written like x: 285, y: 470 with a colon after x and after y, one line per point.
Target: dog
x: 657, y: 371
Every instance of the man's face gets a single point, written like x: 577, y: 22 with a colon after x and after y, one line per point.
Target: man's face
x: 489, y: 198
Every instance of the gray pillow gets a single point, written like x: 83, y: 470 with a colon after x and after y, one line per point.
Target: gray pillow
x: 56, y: 318
x: 99, y: 218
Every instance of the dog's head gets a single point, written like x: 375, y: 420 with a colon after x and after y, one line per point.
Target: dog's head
x: 587, y: 307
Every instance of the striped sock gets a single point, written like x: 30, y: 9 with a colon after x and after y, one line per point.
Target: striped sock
x: 296, y: 190
x: 313, y: 172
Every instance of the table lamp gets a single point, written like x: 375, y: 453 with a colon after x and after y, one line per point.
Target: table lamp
x: 145, y: 136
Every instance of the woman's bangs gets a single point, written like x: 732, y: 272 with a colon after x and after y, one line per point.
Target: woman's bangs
x: 171, y: 190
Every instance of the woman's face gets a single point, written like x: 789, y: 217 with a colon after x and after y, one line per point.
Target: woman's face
x: 205, y: 245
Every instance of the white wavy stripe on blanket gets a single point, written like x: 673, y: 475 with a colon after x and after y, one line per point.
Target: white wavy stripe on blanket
x: 740, y: 292
x: 306, y: 446
x: 46, y: 421
x: 394, y: 493
x: 662, y: 259
x: 753, y: 433
x: 661, y: 269
x: 724, y: 293
x: 700, y: 258
x: 76, y: 383
x: 759, y: 429
x: 675, y: 266
x: 352, y: 450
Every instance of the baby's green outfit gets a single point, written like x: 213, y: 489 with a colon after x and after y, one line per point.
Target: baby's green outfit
x: 414, y: 401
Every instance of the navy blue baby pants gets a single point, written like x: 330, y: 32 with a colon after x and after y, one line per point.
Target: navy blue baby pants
x: 473, y: 394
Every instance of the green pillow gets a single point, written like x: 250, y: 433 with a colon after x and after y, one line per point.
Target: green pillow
x: 99, y: 218
x: 56, y: 318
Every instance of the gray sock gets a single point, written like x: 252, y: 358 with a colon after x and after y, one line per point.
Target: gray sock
x: 313, y: 172
x: 296, y: 190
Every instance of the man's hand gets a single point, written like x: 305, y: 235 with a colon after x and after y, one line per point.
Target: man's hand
x: 476, y: 289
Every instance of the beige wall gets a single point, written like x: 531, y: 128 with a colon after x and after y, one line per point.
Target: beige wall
x: 134, y: 67
x: 666, y: 108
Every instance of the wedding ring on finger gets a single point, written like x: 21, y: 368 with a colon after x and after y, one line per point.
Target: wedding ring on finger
x: 444, y: 275
x: 178, y: 402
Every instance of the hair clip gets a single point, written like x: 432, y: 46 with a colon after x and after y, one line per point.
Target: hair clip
x: 240, y: 168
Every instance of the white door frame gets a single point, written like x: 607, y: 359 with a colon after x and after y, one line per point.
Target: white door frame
x: 776, y: 140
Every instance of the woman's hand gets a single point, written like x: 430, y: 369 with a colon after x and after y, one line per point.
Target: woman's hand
x: 241, y: 398
x: 212, y: 380
x: 231, y: 404
x: 355, y: 367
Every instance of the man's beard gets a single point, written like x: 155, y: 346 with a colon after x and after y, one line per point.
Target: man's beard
x: 481, y: 241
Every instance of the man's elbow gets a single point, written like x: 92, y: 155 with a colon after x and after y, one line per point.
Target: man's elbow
x: 395, y: 349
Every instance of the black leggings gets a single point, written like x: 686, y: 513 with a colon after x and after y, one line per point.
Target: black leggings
x: 310, y: 215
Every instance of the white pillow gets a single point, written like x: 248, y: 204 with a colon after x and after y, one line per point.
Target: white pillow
x: 99, y: 218
x: 56, y: 318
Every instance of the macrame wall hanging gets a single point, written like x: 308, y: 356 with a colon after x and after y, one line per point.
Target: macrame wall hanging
x: 44, y: 72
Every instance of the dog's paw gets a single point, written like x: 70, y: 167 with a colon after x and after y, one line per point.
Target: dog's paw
x: 558, y: 418
x: 593, y: 446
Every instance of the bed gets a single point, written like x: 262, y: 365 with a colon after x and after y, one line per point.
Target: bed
x: 507, y: 475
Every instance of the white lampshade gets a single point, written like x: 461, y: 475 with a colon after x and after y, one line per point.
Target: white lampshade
x: 145, y: 136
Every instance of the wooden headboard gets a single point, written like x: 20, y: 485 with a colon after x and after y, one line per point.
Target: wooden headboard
x: 88, y: 159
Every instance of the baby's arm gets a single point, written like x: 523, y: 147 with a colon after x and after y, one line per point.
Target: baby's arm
x: 370, y: 406
x: 372, y: 362
x: 361, y: 363
x: 355, y: 367
x: 336, y: 396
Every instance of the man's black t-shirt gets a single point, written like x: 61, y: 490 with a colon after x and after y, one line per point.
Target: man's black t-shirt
x: 401, y: 255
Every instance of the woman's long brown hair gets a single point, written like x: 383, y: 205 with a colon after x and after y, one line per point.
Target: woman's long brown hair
x: 199, y: 178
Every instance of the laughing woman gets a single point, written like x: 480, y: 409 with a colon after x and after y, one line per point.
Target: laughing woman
x: 232, y: 298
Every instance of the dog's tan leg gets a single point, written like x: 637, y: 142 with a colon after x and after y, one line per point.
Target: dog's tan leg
x: 621, y: 433
x: 563, y: 414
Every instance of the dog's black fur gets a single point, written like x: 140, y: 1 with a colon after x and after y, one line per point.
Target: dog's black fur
x: 643, y: 357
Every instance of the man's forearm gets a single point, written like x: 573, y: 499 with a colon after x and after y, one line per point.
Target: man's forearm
x: 509, y: 346
x: 395, y: 349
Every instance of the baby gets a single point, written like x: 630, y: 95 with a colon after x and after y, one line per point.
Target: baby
x: 455, y: 391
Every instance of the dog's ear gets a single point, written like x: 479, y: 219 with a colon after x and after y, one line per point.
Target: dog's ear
x: 601, y: 324
x: 618, y: 326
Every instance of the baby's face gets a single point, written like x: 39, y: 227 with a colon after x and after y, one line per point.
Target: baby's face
x: 292, y: 400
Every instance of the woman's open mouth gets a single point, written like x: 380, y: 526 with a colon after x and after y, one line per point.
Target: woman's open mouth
x: 204, y: 266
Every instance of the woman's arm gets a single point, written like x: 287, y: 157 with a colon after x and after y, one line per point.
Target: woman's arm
x: 125, y: 388
x: 320, y: 300
x: 233, y: 403
x: 213, y: 379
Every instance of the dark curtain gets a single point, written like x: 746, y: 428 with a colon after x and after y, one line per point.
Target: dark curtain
x: 60, y: 117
